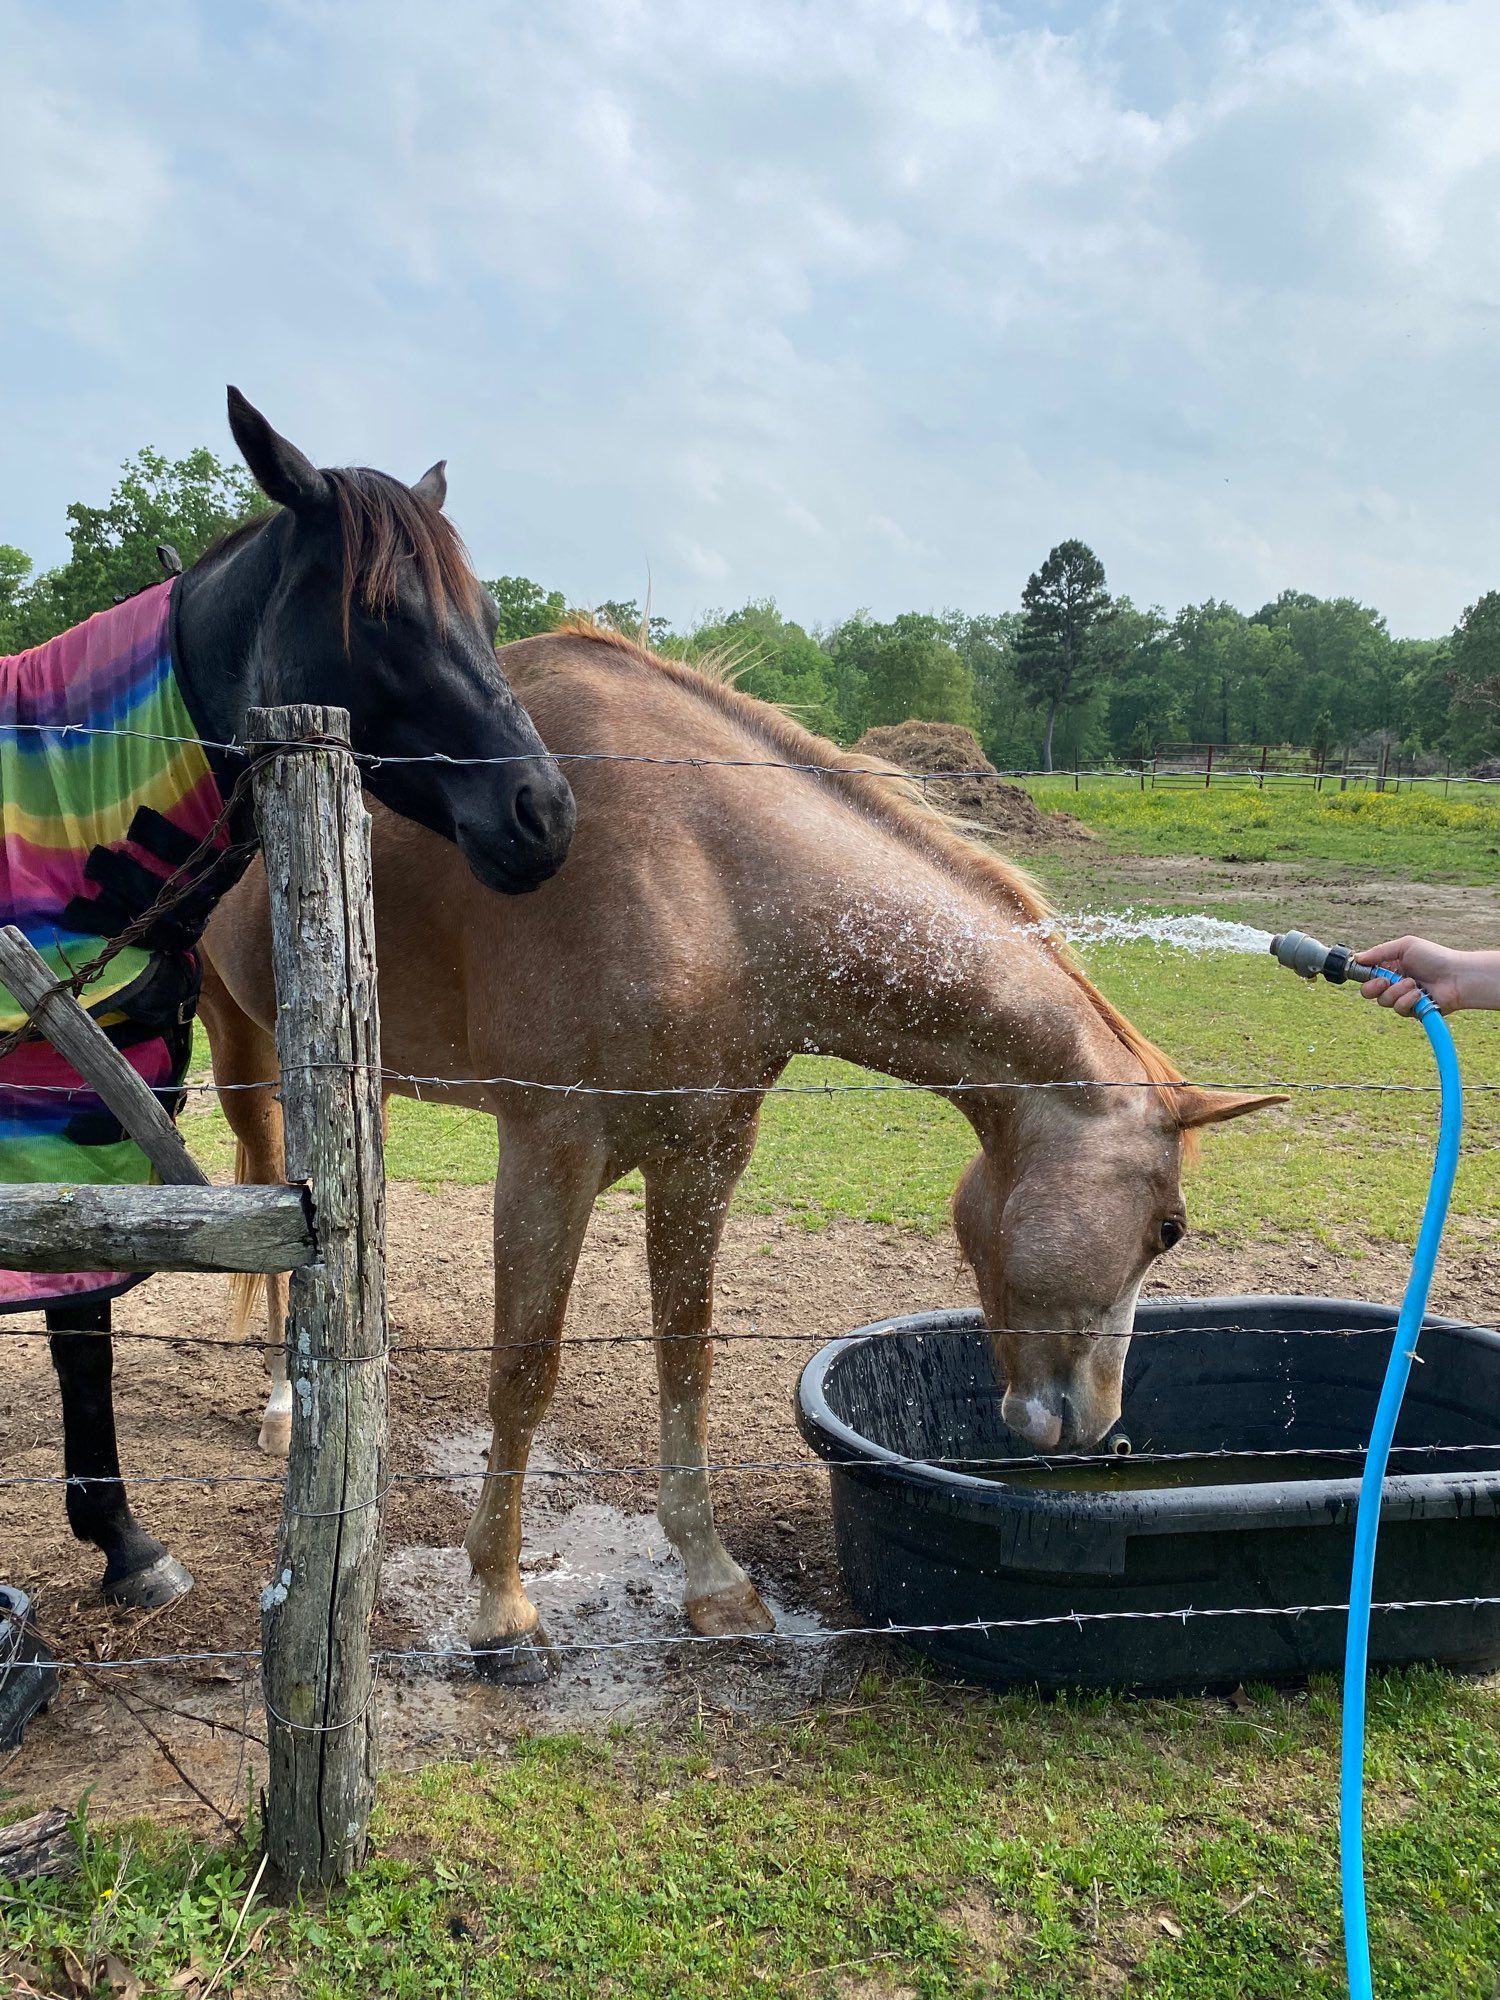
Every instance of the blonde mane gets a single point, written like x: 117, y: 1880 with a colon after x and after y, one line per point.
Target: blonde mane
x: 867, y: 784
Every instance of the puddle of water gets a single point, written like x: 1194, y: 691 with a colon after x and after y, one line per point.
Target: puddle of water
x: 1191, y: 933
x: 595, y: 1573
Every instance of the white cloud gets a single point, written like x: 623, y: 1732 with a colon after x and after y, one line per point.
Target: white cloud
x: 83, y: 194
x: 703, y: 565
x: 757, y: 286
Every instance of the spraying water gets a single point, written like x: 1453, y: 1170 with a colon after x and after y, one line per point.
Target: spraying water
x: 1180, y: 933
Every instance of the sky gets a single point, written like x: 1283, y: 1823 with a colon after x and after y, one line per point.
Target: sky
x: 851, y: 303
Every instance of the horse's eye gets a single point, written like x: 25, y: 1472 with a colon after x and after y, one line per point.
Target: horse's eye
x: 1172, y: 1231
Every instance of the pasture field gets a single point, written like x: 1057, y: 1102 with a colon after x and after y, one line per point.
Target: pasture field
x: 1416, y: 834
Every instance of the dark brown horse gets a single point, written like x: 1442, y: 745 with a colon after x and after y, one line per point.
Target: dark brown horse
x: 353, y: 591
x: 714, y: 921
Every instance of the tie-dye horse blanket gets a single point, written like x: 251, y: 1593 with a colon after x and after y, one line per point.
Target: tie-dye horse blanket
x: 101, y: 799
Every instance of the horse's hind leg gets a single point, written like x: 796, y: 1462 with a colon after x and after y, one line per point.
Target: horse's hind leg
x: 686, y: 1201
x: 551, y: 1169
x: 138, y: 1570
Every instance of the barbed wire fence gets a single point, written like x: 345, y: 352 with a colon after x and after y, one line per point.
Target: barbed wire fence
x: 339, y: 1360
x: 1253, y: 772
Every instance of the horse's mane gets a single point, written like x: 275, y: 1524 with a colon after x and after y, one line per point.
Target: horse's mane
x: 381, y: 525
x: 887, y: 795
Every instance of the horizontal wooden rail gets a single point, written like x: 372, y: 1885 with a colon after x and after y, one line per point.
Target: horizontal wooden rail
x: 57, y: 1227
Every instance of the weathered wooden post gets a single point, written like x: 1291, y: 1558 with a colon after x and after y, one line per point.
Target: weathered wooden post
x: 318, y: 1677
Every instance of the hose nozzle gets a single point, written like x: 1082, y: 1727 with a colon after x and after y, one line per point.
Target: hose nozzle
x: 1311, y: 960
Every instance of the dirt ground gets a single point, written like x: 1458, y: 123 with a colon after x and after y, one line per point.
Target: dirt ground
x: 596, y: 1561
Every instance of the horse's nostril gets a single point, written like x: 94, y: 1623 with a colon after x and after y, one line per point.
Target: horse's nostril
x: 530, y: 824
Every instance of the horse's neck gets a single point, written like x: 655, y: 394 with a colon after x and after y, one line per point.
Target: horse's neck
x: 920, y: 974
x: 220, y: 612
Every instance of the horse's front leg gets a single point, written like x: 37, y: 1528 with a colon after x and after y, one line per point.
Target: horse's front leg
x: 686, y: 1202
x: 551, y: 1170
x: 138, y: 1571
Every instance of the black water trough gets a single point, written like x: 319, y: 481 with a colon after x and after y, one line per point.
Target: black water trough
x: 930, y: 1544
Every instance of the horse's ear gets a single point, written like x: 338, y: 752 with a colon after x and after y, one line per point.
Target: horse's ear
x: 1196, y: 1108
x: 282, y: 473
x: 433, y: 485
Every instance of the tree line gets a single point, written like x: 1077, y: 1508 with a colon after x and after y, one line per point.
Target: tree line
x: 1073, y: 675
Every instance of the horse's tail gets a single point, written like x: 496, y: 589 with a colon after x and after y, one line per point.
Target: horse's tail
x: 247, y: 1289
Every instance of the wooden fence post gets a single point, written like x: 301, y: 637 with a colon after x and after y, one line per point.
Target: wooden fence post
x: 318, y: 1676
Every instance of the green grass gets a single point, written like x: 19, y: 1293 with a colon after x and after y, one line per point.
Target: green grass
x: 1339, y: 1165
x: 1413, y: 836
x: 914, y: 1840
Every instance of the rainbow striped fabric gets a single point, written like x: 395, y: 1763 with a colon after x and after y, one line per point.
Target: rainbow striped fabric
x: 93, y: 823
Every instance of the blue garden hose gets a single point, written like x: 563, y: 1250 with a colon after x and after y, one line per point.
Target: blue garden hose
x: 1306, y: 956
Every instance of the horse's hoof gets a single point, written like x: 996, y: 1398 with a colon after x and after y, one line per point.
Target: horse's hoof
x: 160, y: 1582
x: 524, y: 1661
x: 275, y: 1438
x: 731, y: 1613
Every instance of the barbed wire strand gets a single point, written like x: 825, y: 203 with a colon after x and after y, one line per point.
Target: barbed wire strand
x: 401, y: 1348
x: 1180, y: 1615
x: 960, y: 1087
x: 1030, y: 1463
x: 373, y: 760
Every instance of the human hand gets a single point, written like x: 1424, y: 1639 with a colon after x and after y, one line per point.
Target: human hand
x: 1423, y: 966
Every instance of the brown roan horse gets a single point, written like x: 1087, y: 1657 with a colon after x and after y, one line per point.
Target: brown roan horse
x: 715, y: 919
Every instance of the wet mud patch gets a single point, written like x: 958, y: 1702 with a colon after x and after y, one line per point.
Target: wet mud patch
x: 608, y: 1587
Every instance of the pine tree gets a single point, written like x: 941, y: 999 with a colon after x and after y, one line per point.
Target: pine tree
x: 1064, y: 604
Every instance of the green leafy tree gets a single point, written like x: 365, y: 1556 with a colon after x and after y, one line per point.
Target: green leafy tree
x: 1474, y: 678
x: 1065, y: 603
x: 1140, y: 674
x: 1323, y: 735
x: 986, y: 643
x: 905, y: 668
x: 623, y: 615
x: 186, y: 503
x: 1424, y: 698
x: 15, y: 572
x: 1236, y: 678
x: 525, y: 608
x: 1342, y: 653
x: 772, y: 658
